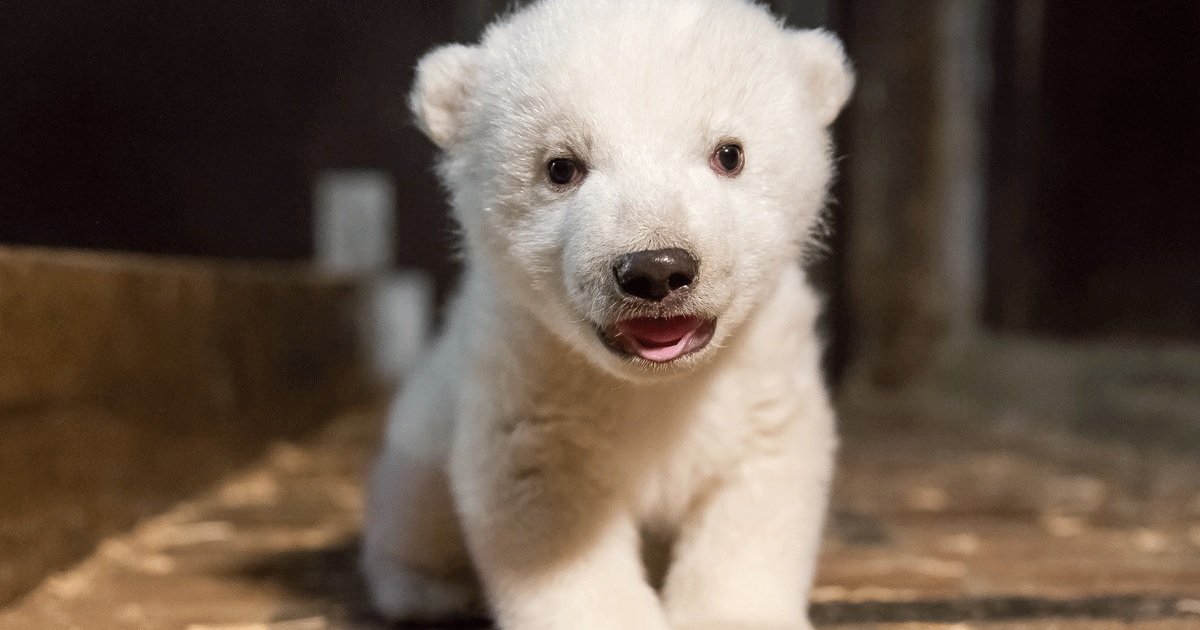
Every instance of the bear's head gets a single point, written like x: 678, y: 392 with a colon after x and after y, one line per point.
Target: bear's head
x: 637, y: 172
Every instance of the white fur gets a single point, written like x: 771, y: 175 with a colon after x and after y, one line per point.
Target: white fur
x: 528, y: 456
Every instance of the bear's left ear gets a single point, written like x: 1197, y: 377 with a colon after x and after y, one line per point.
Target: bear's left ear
x: 828, y: 78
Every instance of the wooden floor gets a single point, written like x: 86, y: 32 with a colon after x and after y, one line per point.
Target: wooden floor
x: 950, y: 522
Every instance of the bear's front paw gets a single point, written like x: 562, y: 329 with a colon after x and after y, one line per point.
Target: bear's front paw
x: 745, y: 625
x: 401, y: 594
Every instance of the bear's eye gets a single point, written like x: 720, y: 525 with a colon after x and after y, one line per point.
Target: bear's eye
x: 728, y: 160
x: 563, y: 171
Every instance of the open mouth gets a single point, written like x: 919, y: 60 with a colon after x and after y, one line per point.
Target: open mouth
x: 660, y: 339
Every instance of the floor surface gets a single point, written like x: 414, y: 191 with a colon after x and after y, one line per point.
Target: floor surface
x: 937, y: 524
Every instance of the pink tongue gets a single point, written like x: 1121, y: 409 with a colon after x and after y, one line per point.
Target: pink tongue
x: 653, y: 330
x: 659, y: 339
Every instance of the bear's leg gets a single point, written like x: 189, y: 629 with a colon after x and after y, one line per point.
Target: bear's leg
x: 593, y: 583
x: 554, y: 548
x: 413, y: 559
x: 745, y: 556
x: 413, y: 556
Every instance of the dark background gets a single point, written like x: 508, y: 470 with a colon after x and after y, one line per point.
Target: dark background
x: 1101, y: 142
x: 195, y: 128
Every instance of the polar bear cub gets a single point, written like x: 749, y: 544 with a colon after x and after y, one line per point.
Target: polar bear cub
x: 631, y: 354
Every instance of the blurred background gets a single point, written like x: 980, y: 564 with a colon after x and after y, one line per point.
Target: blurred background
x: 200, y: 129
x: 1016, y: 233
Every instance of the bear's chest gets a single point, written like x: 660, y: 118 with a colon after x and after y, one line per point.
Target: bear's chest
x: 695, y: 457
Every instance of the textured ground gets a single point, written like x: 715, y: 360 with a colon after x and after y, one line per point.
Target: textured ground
x: 130, y: 382
x: 938, y: 524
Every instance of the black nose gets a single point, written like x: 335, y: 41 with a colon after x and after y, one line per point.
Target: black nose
x: 654, y: 274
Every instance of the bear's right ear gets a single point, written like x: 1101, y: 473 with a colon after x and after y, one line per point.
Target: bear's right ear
x: 440, y: 91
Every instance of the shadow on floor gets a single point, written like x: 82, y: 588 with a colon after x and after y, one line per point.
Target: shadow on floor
x: 1123, y: 608
x: 329, y: 579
